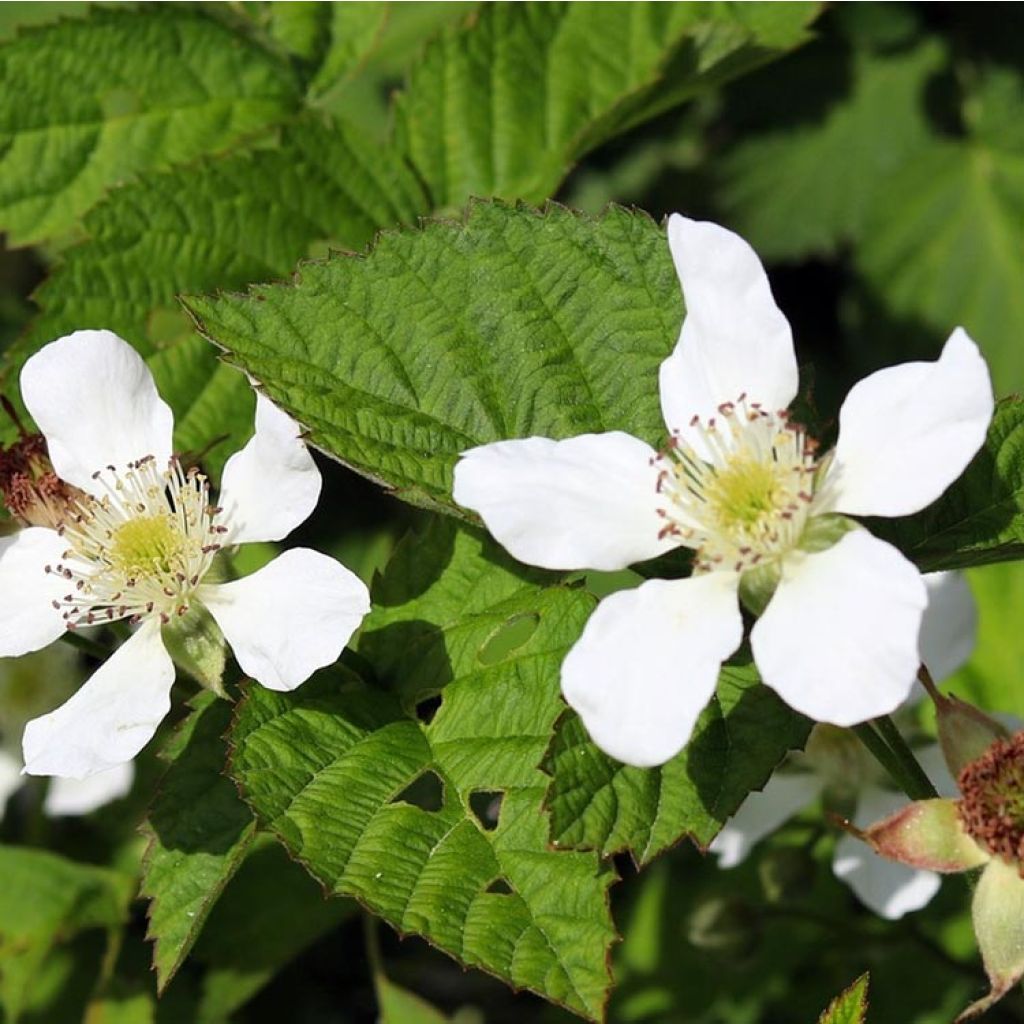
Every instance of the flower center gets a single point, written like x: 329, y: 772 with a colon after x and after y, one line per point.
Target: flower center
x: 992, y: 807
x: 141, y: 548
x: 745, y: 499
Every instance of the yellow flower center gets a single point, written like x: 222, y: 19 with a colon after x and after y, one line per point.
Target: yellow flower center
x: 147, y: 546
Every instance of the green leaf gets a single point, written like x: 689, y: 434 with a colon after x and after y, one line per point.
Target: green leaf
x: 355, y: 30
x: 199, y: 831
x: 504, y: 105
x: 598, y: 803
x: 510, y: 324
x: 980, y: 519
x: 849, y: 1007
x: 117, y: 94
x: 269, y: 913
x: 942, y: 248
x: 808, y: 187
x: 44, y: 900
x: 398, y: 1006
x: 219, y: 225
x: 330, y: 768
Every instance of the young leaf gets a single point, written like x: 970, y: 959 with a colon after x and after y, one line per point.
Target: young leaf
x: 199, y: 831
x: 509, y: 324
x: 598, y: 803
x: 504, y: 105
x: 116, y: 94
x: 850, y: 1006
x: 330, y: 766
x: 44, y: 900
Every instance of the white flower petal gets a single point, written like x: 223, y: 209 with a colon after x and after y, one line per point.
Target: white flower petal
x: 838, y: 640
x: 111, y: 718
x: 10, y: 779
x: 889, y: 889
x: 289, y: 618
x: 80, y: 796
x: 949, y: 630
x: 589, y: 502
x: 907, y: 432
x: 28, y: 620
x: 271, y: 485
x: 647, y: 664
x: 784, y: 794
x: 95, y: 402
x: 734, y: 340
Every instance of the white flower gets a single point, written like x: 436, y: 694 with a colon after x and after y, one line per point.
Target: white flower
x: 741, y: 485
x: 68, y: 796
x: 837, y: 762
x: 137, y: 540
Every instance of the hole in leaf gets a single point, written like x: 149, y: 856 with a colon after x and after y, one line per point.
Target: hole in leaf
x: 426, y: 709
x: 426, y: 791
x: 508, y: 637
x: 500, y: 886
x: 486, y: 807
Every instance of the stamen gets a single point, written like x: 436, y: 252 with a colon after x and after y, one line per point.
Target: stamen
x: 745, y: 497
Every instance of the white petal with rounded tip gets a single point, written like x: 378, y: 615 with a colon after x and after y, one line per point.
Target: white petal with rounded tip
x: 907, y: 432
x: 271, y: 485
x: 647, y: 664
x: 889, y: 889
x: 10, y: 778
x: 949, y: 630
x: 784, y: 794
x: 589, y: 502
x: 289, y: 618
x: 95, y: 402
x: 838, y: 640
x: 80, y: 796
x: 28, y: 620
x: 111, y: 718
x: 734, y: 340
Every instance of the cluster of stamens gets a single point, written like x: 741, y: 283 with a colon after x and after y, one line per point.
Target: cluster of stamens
x: 33, y: 493
x: 992, y: 805
x: 746, y: 499
x: 141, y: 548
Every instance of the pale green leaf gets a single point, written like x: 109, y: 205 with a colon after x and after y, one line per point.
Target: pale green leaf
x: 943, y: 248
x: 510, y: 324
x: 355, y: 29
x: 397, y: 1005
x: 44, y: 901
x: 117, y: 94
x: 598, y: 803
x: 504, y: 105
x: 808, y: 187
x: 199, y: 831
x: 329, y: 769
x: 850, y: 1006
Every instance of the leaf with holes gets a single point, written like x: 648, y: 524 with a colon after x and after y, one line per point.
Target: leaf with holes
x: 598, y: 803
x: 199, y: 831
x: 505, y: 104
x: 120, y: 93
x: 340, y: 772
x: 509, y: 324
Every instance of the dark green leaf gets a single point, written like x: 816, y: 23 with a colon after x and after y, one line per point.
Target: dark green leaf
x: 199, y: 832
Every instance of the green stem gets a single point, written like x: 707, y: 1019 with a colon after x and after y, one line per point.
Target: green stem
x: 881, y: 752
x: 915, y: 783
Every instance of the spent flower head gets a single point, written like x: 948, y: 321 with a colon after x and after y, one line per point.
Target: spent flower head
x: 743, y: 486
x: 984, y: 829
x: 133, y: 535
